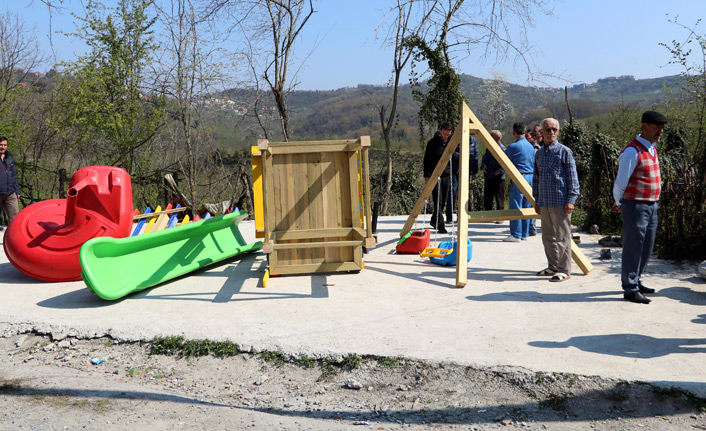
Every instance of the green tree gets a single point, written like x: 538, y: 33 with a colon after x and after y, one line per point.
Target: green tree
x: 442, y: 98
x: 102, y: 106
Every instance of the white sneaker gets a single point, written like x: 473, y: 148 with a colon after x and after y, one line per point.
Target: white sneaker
x: 511, y: 239
x: 524, y: 238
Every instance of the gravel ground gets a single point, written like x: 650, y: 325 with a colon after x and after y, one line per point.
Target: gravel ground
x: 50, y: 384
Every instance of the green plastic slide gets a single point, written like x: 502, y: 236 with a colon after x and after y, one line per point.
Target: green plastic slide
x: 115, y: 267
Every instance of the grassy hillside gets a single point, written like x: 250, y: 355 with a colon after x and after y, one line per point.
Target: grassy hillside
x: 351, y: 112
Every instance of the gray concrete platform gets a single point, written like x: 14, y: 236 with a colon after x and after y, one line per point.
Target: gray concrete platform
x: 403, y: 305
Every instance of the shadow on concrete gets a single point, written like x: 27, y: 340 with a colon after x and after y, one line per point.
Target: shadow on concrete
x: 112, y: 394
x: 533, y: 296
x: 700, y: 320
x: 628, y: 345
x: 11, y: 275
x: 617, y: 401
x: 230, y: 291
x: 684, y: 295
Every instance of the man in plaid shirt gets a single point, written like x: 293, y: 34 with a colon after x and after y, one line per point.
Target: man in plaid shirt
x: 555, y: 187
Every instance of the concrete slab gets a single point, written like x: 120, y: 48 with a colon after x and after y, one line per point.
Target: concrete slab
x: 402, y: 305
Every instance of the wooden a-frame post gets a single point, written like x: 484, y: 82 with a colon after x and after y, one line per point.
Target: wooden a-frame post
x: 470, y: 125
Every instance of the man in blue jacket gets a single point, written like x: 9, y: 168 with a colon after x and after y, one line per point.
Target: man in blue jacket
x: 521, y: 154
x: 9, y: 189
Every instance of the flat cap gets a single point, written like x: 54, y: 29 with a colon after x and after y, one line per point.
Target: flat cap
x: 653, y: 117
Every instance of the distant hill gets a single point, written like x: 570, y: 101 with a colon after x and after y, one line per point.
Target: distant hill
x: 351, y: 112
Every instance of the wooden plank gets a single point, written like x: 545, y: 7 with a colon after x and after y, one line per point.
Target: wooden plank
x: 366, y: 179
x: 355, y: 207
x: 315, y: 148
x: 316, y: 268
x: 315, y: 197
x: 153, y: 219
x: 258, y: 211
x: 498, y: 215
x: 426, y: 192
x: 317, y: 244
x: 356, y: 232
x: 157, y: 214
x: 580, y: 259
x: 462, y: 203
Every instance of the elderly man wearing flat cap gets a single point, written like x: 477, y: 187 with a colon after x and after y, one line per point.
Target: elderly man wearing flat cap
x: 636, y: 192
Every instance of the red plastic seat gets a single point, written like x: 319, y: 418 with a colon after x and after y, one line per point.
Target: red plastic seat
x: 415, y: 243
x: 44, y: 240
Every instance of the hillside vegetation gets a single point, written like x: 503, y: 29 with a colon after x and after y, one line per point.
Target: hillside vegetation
x: 352, y: 112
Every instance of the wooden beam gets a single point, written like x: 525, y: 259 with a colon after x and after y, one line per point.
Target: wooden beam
x: 289, y: 235
x: 499, y: 215
x: 318, y: 244
x: 148, y: 215
x: 316, y: 268
x: 580, y: 259
x: 370, y: 243
x: 318, y: 147
x: 462, y: 203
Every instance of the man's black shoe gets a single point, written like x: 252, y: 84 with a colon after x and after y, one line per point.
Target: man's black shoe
x: 645, y: 289
x: 636, y: 297
x: 442, y: 229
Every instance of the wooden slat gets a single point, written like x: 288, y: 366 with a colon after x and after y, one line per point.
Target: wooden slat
x: 355, y: 191
x: 148, y: 215
x: 499, y: 215
x: 321, y: 148
x: 317, y: 244
x: 366, y: 180
x: 319, y: 233
x: 258, y: 211
x: 462, y: 203
x: 580, y: 259
x: 317, y: 268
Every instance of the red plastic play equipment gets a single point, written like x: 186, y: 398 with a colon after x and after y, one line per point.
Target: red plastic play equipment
x: 44, y: 240
x: 415, y: 243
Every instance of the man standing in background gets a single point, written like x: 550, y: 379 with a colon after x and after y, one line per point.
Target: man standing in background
x: 494, y: 174
x: 432, y: 155
x: 636, y: 192
x: 9, y: 189
x: 521, y: 154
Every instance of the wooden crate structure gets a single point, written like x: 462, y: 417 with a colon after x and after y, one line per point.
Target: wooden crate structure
x: 309, y: 200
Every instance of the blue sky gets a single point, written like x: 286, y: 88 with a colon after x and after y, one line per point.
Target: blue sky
x: 583, y: 41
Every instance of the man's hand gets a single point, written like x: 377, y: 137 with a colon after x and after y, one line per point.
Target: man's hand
x: 568, y: 208
x: 426, y: 180
x: 536, y: 209
x: 616, y: 208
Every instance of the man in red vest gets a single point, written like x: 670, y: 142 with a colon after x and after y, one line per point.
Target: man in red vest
x: 636, y: 192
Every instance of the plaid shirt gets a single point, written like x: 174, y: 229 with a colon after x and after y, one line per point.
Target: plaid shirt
x: 555, y: 181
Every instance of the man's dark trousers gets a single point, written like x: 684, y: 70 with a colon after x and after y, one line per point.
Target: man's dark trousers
x: 639, y: 233
x: 494, y: 190
x: 438, y: 210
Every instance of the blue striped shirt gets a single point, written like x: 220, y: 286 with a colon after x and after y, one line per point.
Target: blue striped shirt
x: 555, y: 181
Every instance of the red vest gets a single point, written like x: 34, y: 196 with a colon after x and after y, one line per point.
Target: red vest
x: 645, y: 184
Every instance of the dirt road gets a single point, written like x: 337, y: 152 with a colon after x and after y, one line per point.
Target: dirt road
x: 99, y: 384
